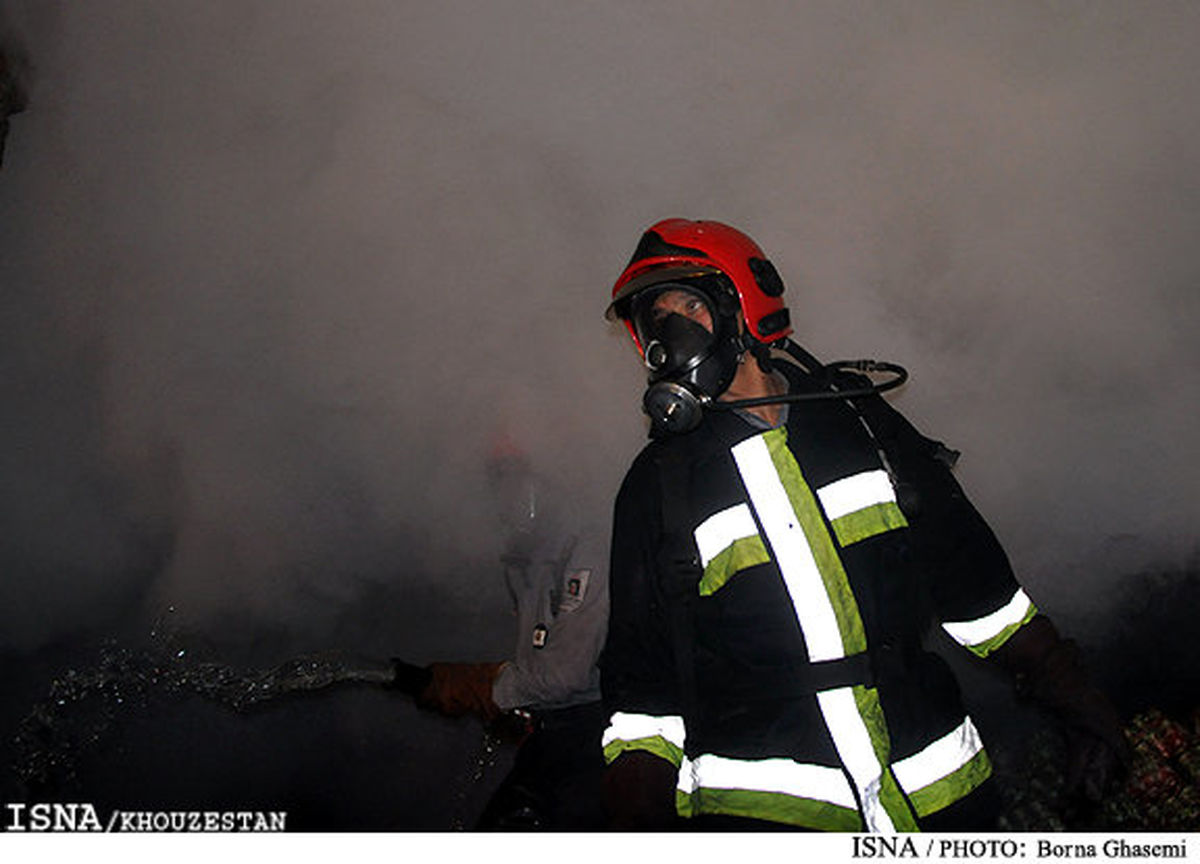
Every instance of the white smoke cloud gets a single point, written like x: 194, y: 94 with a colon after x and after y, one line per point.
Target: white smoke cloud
x: 277, y: 275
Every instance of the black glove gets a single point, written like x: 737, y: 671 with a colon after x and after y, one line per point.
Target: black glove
x: 409, y: 678
x: 639, y: 792
x: 1049, y: 672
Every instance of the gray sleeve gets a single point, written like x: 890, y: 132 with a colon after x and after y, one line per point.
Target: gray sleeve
x: 572, y: 605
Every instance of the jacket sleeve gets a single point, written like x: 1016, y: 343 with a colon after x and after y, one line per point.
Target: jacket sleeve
x: 638, y: 676
x: 974, y: 594
x: 565, y: 670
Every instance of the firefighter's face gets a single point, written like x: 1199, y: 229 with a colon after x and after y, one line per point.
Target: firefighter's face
x: 676, y: 301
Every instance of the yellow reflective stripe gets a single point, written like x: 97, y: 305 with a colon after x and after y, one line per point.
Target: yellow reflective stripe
x: 856, y: 492
x: 793, y: 551
x: 870, y: 709
x: 803, y: 505
x: 656, y: 745
x: 719, y: 531
x: 777, y: 775
x: 828, y: 615
x: 985, y: 634
x: 769, y: 806
x: 861, y: 524
x: 661, y: 735
x: 857, y: 746
x: 954, y: 787
x: 945, y: 770
x: 728, y: 542
x: 861, y: 506
x: 741, y: 555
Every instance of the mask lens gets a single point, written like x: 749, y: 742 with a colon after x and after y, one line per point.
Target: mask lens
x: 652, y: 309
x: 674, y: 345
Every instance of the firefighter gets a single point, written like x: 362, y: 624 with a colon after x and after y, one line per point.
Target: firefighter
x: 781, y: 548
x: 550, y: 687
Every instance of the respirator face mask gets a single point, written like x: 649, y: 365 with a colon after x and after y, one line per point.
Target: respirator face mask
x: 689, y: 365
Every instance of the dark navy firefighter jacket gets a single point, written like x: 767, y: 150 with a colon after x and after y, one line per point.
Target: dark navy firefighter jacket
x: 770, y: 591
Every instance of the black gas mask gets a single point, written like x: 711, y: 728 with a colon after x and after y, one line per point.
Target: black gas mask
x: 689, y: 364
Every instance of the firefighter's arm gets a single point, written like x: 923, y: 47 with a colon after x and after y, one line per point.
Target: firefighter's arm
x: 982, y: 607
x: 643, y: 744
x: 1049, y: 672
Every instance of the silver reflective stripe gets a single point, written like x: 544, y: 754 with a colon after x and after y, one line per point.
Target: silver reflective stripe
x: 855, y: 493
x: 939, y: 759
x: 969, y: 633
x: 792, y: 552
x: 817, y: 619
x: 718, y: 532
x: 818, y: 782
x: 632, y: 727
x: 857, y: 753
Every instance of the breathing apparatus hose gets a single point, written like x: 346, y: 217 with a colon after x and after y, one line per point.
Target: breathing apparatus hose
x: 803, y: 358
x: 675, y: 407
x: 900, y: 373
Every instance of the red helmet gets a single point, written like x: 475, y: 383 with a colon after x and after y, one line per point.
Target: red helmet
x: 677, y: 250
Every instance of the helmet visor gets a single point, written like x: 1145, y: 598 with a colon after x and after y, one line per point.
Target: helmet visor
x: 651, y: 279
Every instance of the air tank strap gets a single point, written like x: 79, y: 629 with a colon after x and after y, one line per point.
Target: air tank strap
x: 789, y: 681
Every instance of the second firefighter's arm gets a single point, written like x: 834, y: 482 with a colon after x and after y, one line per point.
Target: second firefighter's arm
x: 564, y: 670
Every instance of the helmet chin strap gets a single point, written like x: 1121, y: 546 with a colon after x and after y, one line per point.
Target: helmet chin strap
x: 675, y: 408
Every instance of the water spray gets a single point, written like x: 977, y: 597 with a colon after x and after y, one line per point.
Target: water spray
x: 88, y: 702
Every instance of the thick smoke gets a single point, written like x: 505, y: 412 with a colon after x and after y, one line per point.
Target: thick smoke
x: 278, y: 276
